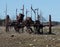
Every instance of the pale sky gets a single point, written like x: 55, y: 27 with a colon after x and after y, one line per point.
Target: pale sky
x: 45, y: 6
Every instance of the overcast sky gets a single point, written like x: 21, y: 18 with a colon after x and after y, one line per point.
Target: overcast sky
x: 45, y: 6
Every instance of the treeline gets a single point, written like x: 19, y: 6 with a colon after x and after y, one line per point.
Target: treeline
x: 53, y: 23
x: 2, y: 22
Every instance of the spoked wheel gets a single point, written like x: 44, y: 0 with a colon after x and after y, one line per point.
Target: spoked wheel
x: 29, y: 30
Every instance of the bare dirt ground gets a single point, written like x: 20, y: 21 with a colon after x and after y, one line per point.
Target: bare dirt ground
x: 29, y: 40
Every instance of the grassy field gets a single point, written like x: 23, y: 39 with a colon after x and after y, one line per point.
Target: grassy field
x: 30, y: 40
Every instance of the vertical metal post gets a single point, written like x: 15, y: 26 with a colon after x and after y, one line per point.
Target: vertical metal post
x: 16, y: 13
x: 50, y: 24
x: 6, y: 9
x: 37, y: 15
x: 7, y: 20
x: 23, y: 10
x: 31, y: 12
x: 23, y: 14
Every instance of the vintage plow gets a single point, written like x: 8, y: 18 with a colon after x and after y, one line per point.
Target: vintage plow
x: 20, y: 23
x: 28, y: 22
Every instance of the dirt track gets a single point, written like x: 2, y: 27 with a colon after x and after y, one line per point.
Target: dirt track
x: 29, y: 40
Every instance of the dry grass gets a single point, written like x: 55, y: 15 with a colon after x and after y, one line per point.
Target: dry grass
x: 29, y: 40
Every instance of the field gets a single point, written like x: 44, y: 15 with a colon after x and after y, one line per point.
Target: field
x: 14, y: 39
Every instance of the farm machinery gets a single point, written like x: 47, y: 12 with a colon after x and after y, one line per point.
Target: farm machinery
x: 28, y: 23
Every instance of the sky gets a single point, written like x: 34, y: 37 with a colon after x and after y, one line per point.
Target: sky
x: 46, y: 7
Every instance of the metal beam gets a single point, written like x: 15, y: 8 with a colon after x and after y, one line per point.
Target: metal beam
x: 50, y: 24
x: 23, y: 10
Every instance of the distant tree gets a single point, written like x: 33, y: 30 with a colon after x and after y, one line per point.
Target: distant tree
x: 2, y: 22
